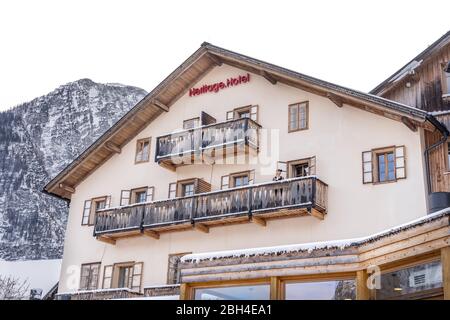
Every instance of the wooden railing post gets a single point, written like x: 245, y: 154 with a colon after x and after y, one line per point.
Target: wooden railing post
x: 250, y: 202
x: 313, y: 191
x: 445, y: 261
x: 362, y: 291
x: 275, y: 288
x: 184, y: 292
x: 193, y: 208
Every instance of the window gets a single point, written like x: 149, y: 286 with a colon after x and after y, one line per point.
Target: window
x: 244, y: 112
x: 142, y: 150
x: 100, y: 204
x: 141, y: 196
x: 298, y: 116
x: 172, y: 190
x: 237, y: 179
x: 419, y: 281
x: 446, y: 80
x: 321, y: 290
x: 89, y: 276
x: 191, y: 123
x: 138, y: 195
x: 249, y: 292
x: 384, y: 164
x: 188, y: 189
x: 91, y: 206
x: 173, y: 271
x: 301, y: 168
x: 123, y: 275
x: 241, y: 180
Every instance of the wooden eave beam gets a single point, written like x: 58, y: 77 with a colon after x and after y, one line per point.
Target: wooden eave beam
x: 67, y: 188
x: 160, y: 105
x: 215, y: 59
x: 335, y: 99
x: 106, y: 239
x: 111, y: 146
x: 201, y: 227
x: 258, y: 220
x: 152, y: 234
x: 268, y: 77
x: 409, y: 123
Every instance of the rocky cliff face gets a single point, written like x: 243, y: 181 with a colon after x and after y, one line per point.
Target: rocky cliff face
x: 37, y: 140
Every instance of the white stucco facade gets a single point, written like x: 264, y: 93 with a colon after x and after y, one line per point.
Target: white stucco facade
x: 336, y: 137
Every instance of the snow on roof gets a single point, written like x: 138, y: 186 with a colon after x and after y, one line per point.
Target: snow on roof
x: 312, y: 246
x: 439, y: 113
x: 98, y: 290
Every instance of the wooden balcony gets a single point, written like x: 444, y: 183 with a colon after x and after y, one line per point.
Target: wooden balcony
x: 305, y: 196
x: 207, y: 143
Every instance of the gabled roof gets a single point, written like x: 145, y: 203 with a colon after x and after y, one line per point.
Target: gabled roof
x: 190, y: 72
x: 412, y: 65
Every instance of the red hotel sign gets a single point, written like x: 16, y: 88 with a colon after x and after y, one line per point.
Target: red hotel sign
x: 215, y: 87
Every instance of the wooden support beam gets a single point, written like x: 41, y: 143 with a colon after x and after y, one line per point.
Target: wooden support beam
x: 258, y: 220
x: 335, y: 99
x: 411, y: 125
x: 184, y: 291
x: 160, y: 105
x: 151, y: 234
x: 362, y: 291
x: 106, y: 239
x: 275, y: 288
x: 111, y: 146
x: 215, y: 59
x: 317, y: 214
x: 201, y: 227
x: 445, y: 260
x: 268, y: 77
x: 67, y: 188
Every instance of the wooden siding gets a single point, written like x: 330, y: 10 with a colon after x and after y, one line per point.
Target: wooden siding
x: 425, y: 91
x: 439, y: 178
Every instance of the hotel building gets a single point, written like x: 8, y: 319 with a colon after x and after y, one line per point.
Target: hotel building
x: 182, y: 197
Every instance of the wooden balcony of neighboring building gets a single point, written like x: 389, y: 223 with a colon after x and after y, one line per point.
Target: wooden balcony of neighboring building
x: 305, y: 196
x: 207, y: 143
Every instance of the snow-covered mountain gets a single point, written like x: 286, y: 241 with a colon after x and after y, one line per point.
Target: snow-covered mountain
x: 37, y: 140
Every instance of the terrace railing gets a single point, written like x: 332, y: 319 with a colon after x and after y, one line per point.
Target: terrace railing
x: 214, y: 136
x: 257, y: 199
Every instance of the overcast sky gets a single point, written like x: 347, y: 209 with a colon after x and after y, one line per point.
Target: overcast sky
x: 44, y: 44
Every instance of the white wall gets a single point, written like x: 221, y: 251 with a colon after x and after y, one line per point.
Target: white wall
x: 336, y: 136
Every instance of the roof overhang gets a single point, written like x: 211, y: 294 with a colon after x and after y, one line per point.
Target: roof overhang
x: 412, y: 68
x: 190, y: 72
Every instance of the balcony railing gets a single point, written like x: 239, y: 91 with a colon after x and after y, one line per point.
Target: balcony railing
x: 210, y: 138
x: 296, y: 196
